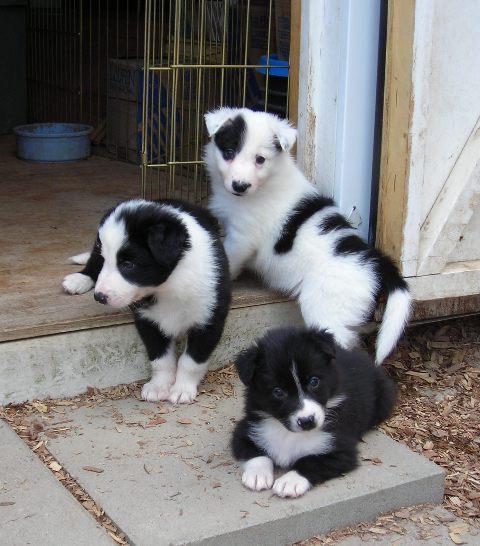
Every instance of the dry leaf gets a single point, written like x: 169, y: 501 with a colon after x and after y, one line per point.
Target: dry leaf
x: 55, y: 466
x: 428, y: 445
x: 403, y: 514
x: 155, y: 421
x: 458, y: 528
x: 7, y: 503
x: 42, y: 408
x: 263, y: 504
x: 456, y: 501
x: 215, y: 485
x: 457, y: 539
x: 93, y: 469
x: 116, y: 538
x: 184, y: 421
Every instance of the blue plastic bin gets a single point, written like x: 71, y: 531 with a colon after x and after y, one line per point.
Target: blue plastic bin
x: 53, y: 142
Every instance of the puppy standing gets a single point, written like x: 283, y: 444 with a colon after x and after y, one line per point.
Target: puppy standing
x: 306, y: 408
x: 165, y: 259
x: 279, y: 225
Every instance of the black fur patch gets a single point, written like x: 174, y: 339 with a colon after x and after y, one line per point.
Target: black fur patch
x: 304, y: 210
x: 386, y: 271
x: 231, y: 137
x: 351, y: 244
x: 156, y: 241
x: 334, y: 222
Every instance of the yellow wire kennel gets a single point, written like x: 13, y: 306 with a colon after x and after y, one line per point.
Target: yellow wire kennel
x: 143, y: 73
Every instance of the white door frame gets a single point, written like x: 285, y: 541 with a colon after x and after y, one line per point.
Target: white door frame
x: 337, y: 100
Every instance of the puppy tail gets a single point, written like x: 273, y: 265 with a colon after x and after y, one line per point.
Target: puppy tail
x: 386, y: 397
x: 80, y: 259
x: 397, y: 312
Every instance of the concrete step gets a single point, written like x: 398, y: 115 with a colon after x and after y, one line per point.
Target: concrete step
x: 165, y: 475
x: 66, y: 363
x: 34, y: 507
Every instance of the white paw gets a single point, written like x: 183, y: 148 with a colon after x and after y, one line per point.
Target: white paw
x: 80, y: 259
x: 183, y: 392
x: 77, y: 283
x: 258, y: 474
x: 156, y: 390
x: 291, y: 484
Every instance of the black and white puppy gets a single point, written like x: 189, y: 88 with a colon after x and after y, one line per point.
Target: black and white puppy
x: 166, y: 261
x: 279, y: 224
x: 307, y: 405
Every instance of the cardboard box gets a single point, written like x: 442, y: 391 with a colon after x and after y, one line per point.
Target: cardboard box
x: 125, y: 112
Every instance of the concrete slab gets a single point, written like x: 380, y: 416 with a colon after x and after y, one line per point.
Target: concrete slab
x: 66, y: 364
x: 174, y: 482
x: 34, y: 507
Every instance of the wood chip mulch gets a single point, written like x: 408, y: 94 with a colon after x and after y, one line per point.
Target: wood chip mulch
x: 437, y: 368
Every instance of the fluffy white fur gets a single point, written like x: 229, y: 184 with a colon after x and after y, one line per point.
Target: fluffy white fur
x: 334, y: 292
x: 285, y: 447
x: 163, y: 377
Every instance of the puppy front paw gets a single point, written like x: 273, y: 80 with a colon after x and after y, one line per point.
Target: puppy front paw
x: 77, y: 283
x: 291, y: 484
x: 258, y: 474
x: 157, y: 389
x: 183, y: 392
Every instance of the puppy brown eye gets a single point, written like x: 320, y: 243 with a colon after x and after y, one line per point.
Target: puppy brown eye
x: 314, y: 382
x: 278, y: 392
x: 128, y: 265
x: 259, y: 160
x: 228, y: 155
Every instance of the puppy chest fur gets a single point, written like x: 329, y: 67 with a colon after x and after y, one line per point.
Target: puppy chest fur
x: 285, y: 447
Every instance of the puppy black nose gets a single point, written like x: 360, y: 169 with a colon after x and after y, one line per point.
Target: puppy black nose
x: 100, y: 297
x: 240, y: 187
x: 306, y: 423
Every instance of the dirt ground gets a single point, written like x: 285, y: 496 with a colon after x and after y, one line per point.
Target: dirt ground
x: 437, y: 369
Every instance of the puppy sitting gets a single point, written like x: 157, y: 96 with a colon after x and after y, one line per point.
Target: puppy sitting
x: 166, y: 261
x: 307, y: 405
x: 279, y: 225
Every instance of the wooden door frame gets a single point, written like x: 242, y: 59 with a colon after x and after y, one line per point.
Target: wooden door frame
x: 397, y: 121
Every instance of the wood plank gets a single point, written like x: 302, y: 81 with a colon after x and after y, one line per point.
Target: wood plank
x: 397, y: 117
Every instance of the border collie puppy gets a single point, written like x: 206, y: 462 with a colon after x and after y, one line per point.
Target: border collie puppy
x: 278, y: 224
x: 307, y: 405
x: 165, y: 260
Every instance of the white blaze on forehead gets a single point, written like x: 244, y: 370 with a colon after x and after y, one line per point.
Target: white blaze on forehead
x: 301, y: 394
x: 112, y: 236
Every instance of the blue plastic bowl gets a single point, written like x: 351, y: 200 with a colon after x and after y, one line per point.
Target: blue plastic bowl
x: 53, y: 142
x: 279, y: 67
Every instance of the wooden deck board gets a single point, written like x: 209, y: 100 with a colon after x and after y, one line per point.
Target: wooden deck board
x: 49, y: 212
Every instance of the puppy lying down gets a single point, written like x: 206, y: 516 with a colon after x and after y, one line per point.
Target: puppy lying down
x: 164, y: 260
x: 307, y: 405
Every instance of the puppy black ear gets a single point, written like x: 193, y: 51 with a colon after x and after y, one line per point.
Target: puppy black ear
x: 167, y: 241
x: 246, y: 363
x: 324, y: 341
